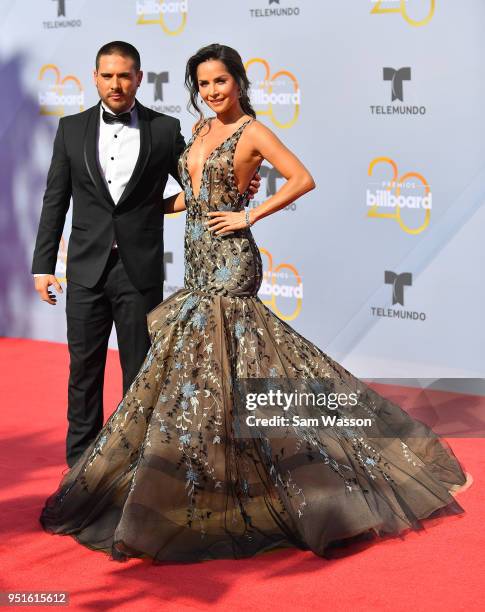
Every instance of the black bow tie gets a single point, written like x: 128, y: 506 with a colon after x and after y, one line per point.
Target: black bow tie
x: 122, y: 118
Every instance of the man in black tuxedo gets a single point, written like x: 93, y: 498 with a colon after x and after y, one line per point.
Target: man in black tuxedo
x: 114, y: 160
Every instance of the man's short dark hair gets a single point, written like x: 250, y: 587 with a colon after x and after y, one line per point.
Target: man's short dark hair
x: 122, y: 48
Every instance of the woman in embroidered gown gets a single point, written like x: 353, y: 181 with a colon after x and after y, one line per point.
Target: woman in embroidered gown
x: 170, y: 476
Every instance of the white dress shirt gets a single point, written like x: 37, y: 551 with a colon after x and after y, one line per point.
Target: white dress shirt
x: 118, y: 149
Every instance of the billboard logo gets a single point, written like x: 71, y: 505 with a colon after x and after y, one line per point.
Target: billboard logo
x: 58, y: 94
x: 277, y: 95
x: 397, y: 282
x: 381, y: 7
x: 390, y: 195
x: 283, y: 287
x: 171, y: 16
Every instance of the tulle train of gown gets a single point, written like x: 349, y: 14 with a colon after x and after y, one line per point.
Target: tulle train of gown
x: 168, y: 476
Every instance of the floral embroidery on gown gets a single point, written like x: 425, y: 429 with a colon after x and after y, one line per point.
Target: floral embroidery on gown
x: 168, y: 478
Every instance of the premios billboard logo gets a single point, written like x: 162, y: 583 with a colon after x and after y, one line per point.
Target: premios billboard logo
x: 425, y: 10
x: 276, y: 95
x: 59, y: 95
x: 282, y: 287
x: 170, y: 15
x: 405, y: 199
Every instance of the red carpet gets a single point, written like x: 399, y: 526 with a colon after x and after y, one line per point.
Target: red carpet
x: 441, y: 568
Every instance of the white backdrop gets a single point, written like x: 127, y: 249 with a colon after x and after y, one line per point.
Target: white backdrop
x: 382, y: 264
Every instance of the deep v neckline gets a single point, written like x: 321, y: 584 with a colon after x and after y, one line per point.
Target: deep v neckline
x: 214, y: 150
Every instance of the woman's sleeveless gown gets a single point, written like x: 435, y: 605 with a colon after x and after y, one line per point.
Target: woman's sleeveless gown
x: 169, y: 477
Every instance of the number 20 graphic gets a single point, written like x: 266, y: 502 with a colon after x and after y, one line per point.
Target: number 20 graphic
x: 379, y: 9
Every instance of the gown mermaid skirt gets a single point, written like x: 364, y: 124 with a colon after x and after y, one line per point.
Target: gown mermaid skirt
x: 172, y: 477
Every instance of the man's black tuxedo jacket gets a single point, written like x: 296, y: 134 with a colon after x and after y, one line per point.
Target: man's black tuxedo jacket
x: 135, y: 222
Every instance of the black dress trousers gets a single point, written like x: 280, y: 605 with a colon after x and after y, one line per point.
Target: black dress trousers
x: 91, y: 313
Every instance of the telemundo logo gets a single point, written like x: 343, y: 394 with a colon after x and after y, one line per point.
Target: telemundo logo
x: 397, y: 281
x: 396, y: 78
x: 158, y: 80
x: 270, y: 176
x: 62, y: 21
x: 275, y: 11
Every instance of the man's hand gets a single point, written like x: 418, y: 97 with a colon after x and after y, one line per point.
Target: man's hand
x: 42, y: 284
x: 254, y: 186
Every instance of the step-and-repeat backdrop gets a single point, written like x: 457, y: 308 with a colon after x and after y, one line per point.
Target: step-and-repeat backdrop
x: 382, y: 100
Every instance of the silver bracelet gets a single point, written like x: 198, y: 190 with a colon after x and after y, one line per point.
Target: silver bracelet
x: 248, y: 220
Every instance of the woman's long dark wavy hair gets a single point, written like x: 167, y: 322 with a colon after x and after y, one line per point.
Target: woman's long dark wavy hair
x: 234, y: 64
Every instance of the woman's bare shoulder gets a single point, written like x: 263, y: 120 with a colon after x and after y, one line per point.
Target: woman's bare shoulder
x: 258, y: 132
x: 256, y: 127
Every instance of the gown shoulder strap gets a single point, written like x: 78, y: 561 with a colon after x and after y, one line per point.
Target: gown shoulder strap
x: 204, y: 121
x: 240, y: 129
